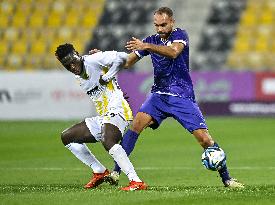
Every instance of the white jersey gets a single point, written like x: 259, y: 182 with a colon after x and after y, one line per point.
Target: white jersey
x: 108, y: 99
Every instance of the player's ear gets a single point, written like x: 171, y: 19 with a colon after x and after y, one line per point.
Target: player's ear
x: 172, y: 21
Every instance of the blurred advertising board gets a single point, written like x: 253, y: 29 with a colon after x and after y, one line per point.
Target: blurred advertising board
x: 265, y: 86
x: 217, y: 92
x: 223, y: 86
x: 42, y: 95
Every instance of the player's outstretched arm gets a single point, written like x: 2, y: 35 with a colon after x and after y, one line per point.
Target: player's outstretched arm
x: 118, y: 63
x: 171, y: 51
x: 131, y: 60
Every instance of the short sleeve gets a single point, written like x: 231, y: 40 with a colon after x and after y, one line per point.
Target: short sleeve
x: 180, y: 36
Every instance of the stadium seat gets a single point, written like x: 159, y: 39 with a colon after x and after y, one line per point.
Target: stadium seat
x: 217, y: 36
x: 254, y: 38
x: 33, y: 29
x: 118, y: 27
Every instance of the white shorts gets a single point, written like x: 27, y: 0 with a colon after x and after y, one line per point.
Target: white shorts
x: 95, y: 124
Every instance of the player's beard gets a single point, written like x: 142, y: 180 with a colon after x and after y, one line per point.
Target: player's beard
x: 164, y: 34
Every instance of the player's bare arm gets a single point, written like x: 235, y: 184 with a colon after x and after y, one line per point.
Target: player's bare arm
x: 131, y: 60
x: 171, y: 51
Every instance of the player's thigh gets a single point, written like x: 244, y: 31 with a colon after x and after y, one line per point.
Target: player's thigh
x: 94, y: 125
x: 188, y: 114
x: 113, y: 127
x: 78, y: 133
x: 151, y: 113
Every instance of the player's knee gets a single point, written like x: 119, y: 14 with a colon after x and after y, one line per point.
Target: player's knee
x: 66, y: 137
x: 137, y: 126
x: 108, y: 141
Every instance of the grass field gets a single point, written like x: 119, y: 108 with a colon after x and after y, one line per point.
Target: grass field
x: 35, y: 168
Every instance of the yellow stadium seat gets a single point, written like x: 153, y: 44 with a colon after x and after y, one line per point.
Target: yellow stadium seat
x: 19, y: 19
x: 242, y: 45
x: 236, y: 60
x: 33, y: 61
x: 50, y: 62
x: 267, y: 17
x: 38, y: 47
x: 65, y: 34
x: 11, y: 34
x: 255, y: 60
x: 269, y: 60
x: 47, y: 34
x: 37, y: 19
x: 54, y: 20
x: 2, y: 61
x: 14, y: 62
x: 84, y: 33
x: 4, y: 48
x: 7, y: 7
x: 32, y: 29
x: 59, y: 6
x: 272, y: 46
x: 249, y: 19
x: 53, y: 45
x: 261, y: 45
x: 4, y: 20
x: 72, y: 19
x: 19, y: 47
x: 29, y: 34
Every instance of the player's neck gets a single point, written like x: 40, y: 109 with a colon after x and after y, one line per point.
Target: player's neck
x: 83, y: 73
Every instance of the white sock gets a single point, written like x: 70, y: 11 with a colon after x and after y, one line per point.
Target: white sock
x: 120, y: 156
x: 82, y: 152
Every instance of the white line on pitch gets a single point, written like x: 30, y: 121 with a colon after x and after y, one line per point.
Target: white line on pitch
x: 138, y: 168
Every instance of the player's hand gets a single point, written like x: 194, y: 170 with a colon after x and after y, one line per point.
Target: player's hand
x: 101, y: 81
x: 135, y: 44
x: 93, y: 51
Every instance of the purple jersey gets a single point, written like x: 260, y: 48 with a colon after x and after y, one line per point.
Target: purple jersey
x: 171, y: 76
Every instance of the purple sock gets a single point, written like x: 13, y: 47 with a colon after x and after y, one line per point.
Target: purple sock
x: 224, y: 174
x: 128, y: 143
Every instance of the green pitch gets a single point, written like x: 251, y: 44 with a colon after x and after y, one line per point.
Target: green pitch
x: 35, y: 168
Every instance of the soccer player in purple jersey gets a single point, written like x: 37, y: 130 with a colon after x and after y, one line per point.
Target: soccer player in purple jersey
x: 172, y: 93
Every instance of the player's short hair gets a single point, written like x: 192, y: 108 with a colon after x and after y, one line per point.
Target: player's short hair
x: 66, y: 54
x: 164, y: 10
x: 63, y: 50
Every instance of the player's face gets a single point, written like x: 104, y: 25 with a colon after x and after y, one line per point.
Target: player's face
x: 163, y: 24
x: 75, y: 67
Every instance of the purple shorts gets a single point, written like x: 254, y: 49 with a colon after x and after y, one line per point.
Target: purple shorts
x: 185, y: 111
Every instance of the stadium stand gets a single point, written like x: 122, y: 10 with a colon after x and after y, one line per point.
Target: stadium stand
x: 30, y: 30
x: 237, y: 35
x: 115, y: 28
x: 228, y: 34
x: 218, y: 35
x: 254, y: 43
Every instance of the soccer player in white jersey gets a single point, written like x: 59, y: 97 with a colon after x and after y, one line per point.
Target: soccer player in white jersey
x: 96, y: 75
